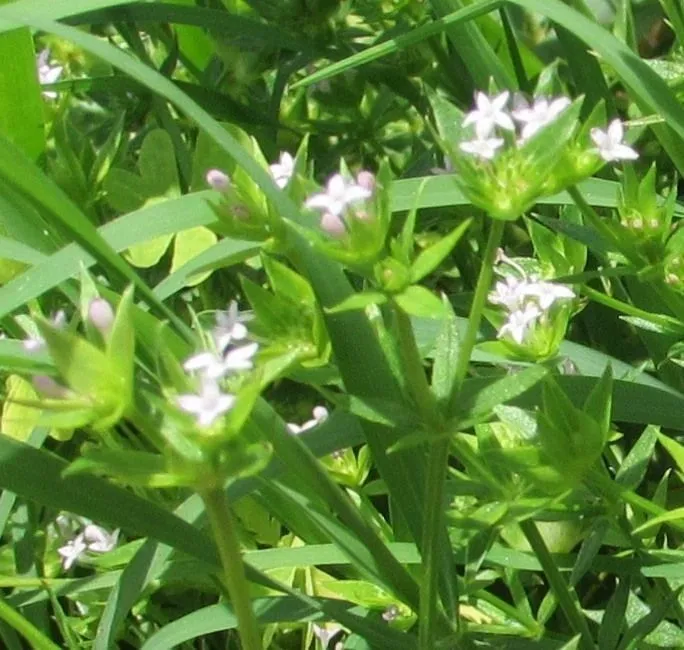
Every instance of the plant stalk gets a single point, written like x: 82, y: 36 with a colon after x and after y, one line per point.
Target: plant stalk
x: 223, y: 526
x: 439, y: 455
x: 484, y: 283
x: 566, y: 597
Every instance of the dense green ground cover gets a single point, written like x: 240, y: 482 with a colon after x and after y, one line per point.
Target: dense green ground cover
x: 342, y: 324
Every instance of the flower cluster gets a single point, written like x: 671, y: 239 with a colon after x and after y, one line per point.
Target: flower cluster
x: 491, y: 114
x: 213, y: 365
x: 339, y: 196
x: 82, y: 536
x: 527, y: 300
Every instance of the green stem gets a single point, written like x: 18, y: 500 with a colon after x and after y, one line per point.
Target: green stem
x: 439, y: 455
x: 31, y: 633
x: 484, y: 283
x: 431, y: 547
x: 566, y: 597
x: 223, y: 525
x: 593, y: 218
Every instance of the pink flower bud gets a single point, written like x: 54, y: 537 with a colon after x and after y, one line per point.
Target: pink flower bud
x: 48, y: 387
x: 366, y: 180
x: 101, y: 315
x: 333, y: 225
x: 217, y: 180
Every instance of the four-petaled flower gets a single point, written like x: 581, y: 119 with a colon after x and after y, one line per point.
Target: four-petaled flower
x: 536, y: 117
x: 229, y: 327
x: 48, y: 74
x: 72, y: 551
x: 489, y: 114
x: 509, y: 293
x: 282, y: 170
x: 98, y: 540
x: 339, y: 194
x: 546, y: 293
x: 519, y: 322
x: 483, y: 147
x: 209, y: 404
x: 214, y: 365
x: 92, y: 538
x: 609, y: 143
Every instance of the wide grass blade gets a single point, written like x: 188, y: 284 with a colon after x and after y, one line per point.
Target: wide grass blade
x: 21, y: 105
x: 273, y: 610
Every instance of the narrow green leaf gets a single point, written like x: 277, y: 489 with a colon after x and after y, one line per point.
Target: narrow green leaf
x: 613, y: 620
x: 401, y: 42
x: 633, y: 468
x: 21, y: 104
x: 31, y: 633
x: 358, y: 301
x: 447, y: 348
x: 429, y: 259
x: 419, y: 301
x: 474, y: 49
x: 476, y: 405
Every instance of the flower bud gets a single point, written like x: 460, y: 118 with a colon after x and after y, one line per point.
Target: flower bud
x: 217, y: 180
x: 333, y: 225
x: 48, y: 387
x: 101, y: 315
x: 366, y: 180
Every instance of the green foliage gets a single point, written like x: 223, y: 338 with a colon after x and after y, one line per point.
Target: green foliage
x: 312, y: 388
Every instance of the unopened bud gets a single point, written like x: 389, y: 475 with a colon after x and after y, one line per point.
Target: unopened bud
x: 366, y: 180
x: 320, y: 413
x: 333, y: 225
x: 48, y: 387
x: 101, y: 314
x: 217, y: 180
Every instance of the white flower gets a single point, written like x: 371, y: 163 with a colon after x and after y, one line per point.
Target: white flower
x: 489, y: 114
x: 48, y: 74
x: 228, y: 327
x: 325, y: 633
x: 214, y: 366
x: 509, y: 293
x: 320, y: 413
x: 536, y: 117
x: 546, y: 293
x: 98, y: 540
x: 338, y: 195
x: 72, y: 551
x: 282, y: 170
x: 240, y: 358
x: 208, y: 405
x: 37, y: 343
x: 482, y: 147
x: 609, y: 143
x: 519, y: 322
